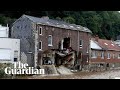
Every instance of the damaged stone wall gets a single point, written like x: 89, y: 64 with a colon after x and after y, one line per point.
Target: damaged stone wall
x: 58, y: 34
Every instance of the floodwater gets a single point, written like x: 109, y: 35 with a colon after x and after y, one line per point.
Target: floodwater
x: 111, y: 74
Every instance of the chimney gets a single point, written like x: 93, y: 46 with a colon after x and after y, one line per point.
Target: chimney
x: 45, y: 17
x: 96, y: 38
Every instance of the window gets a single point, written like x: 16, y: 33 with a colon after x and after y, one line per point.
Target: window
x: 81, y: 43
x: 15, y: 59
x: 15, y: 56
x: 113, y: 56
x: 108, y: 56
x: 40, y: 45
x: 40, y: 30
x: 94, y: 54
x: 50, y: 40
x: 87, y: 50
x: 118, y: 56
x: 102, y: 55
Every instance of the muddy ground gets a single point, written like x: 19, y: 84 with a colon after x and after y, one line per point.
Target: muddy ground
x: 110, y: 74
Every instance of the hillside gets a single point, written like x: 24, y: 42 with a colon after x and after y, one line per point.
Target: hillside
x: 105, y: 24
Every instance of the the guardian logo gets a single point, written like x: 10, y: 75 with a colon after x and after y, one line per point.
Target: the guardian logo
x: 20, y: 68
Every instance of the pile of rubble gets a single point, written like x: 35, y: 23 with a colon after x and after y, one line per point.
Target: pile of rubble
x: 52, y: 70
x: 59, y: 57
x: 58, y: 61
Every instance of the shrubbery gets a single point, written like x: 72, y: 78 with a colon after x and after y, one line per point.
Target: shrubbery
x: 2, y: 68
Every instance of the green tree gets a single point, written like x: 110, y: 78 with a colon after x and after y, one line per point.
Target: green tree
x: 69, y: 19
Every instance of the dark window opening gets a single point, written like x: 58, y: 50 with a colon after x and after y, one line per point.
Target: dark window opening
x: 81, y: 43
x: 15, y: 59
x: 40, y: 31
x: 40, y: 45
x: 66, y: 43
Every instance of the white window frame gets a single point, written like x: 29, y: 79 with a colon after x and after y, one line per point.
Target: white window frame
x: 40, y: 28
x: 51, y: 44
x: 81, y: 44
x: 87, y: 50
x: 41, y: 46
x: 118, y: 56
x: 94, y: 54
x: 102, y: 55
x: 113, y: 56
x: 108, y: 56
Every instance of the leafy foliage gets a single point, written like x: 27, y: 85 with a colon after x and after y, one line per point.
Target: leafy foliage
x: 105, y: 24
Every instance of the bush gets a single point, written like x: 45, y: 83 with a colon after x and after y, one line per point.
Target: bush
x: 2, y: 73
x: 2, y: 68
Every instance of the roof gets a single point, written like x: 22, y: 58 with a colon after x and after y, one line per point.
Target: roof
x: 117, y: 42
x: 94, y: 45
x: 108, y: 45
x: 57, y: 23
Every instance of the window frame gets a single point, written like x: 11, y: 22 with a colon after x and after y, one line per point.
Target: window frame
x: 81, y: 44
x: 40, y: 28
x: 94, y: 54
x: 40, y: 49
x: 102, y: 55
x: 118, y: 56
x: 87, y: 50
x: 113, y: 56
x: 108, y: 55
x: 51, y: 44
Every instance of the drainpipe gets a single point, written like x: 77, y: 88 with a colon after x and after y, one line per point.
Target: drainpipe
x: 78, y: 52
x: 36, y: 46
x: 89, y: 52
x: 78, y: 45
x: 62, y: 44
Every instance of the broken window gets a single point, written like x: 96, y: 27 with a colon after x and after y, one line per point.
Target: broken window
x: 81, y: 43
x: 40, y: 45
x: 40, y: 30
x: 50, y: 40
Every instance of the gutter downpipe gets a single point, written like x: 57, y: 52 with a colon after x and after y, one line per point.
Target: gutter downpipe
x: 78, y: 52
x: 36, y: 46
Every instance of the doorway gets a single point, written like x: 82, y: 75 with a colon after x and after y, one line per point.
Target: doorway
x: 66, y: 42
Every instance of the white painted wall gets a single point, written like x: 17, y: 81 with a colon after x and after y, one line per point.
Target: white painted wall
x: 94, y: 45
x: 4, y: 31
x: 8, y: 46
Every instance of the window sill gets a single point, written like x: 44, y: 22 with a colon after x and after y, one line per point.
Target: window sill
x: 93, y: 57
x: 50, y: 45
x: 40, y: 50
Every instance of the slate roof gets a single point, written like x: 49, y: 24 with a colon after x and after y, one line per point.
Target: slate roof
x: 107, y: 44
x: 57, y: 23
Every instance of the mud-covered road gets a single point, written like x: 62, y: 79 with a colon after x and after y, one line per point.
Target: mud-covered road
x: 111, y: 74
